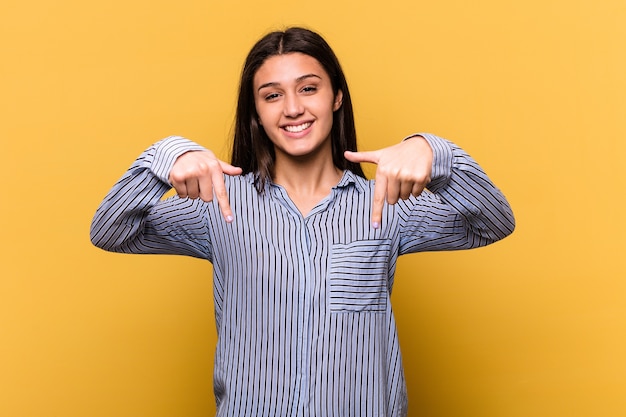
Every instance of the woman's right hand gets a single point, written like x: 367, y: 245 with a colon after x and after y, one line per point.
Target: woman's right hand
x: 199, y: 174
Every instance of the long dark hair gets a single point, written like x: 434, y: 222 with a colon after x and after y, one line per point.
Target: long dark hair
x: 252, y: 149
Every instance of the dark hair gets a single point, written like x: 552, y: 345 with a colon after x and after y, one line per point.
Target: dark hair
x: 252, y: 149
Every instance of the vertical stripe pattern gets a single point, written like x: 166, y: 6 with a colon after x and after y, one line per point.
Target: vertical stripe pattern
x: 302, y: 304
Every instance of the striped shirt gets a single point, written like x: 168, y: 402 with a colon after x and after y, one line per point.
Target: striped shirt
x: 304, y: 320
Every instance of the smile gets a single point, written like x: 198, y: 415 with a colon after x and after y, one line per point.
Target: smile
x: 298, y: 128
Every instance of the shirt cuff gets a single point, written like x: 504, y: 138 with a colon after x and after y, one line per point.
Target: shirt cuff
x: 442, y: 160
x: 166, y: 151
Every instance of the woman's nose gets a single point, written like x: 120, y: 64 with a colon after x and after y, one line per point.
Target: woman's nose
x: 293, y: 106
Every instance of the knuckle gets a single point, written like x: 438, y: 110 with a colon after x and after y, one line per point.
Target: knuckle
x: 388, y: 171
x: 175, y: 177
x: 203, y: 168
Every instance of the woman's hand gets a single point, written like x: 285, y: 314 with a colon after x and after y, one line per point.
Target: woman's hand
x: 403, y: 170
x: 199, y: 174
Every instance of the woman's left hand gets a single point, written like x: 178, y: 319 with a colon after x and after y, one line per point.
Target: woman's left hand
x: 403, y: 170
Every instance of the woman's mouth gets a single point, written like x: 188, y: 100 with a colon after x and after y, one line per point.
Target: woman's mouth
x: 297, y: 128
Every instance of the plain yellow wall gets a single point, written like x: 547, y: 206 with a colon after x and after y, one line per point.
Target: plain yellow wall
x: 534, y: 326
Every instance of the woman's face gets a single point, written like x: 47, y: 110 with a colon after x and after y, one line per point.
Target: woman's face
x: 295, y: 102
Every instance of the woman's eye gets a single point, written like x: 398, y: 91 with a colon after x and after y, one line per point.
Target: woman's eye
x: 271, y: 97
x: 309, y: 89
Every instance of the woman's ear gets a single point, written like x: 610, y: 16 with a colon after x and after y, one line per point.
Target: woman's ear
x: 338, y: 100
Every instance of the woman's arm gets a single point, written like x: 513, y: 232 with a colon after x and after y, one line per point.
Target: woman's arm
x: 133, y: 219
x: 461, y: 207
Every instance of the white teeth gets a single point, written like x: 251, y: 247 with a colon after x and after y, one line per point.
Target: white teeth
x: 299, y: 128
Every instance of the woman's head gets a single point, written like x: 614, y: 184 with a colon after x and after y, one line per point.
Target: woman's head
x: 252, y: 149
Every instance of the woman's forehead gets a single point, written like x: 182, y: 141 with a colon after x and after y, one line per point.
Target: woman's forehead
x: 288, y: 68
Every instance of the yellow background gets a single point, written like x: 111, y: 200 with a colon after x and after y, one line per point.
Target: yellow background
x: 535, y: 90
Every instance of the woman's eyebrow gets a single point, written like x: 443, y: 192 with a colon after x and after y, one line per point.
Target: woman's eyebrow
x: 304, y: 77
x: 299, y: 79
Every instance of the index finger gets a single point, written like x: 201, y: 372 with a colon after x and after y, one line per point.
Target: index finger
x: 219, y: 188
x: 378, y: 202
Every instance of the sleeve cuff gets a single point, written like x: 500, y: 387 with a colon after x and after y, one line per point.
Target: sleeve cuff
x: 167, y: 151
x: 442, y: 159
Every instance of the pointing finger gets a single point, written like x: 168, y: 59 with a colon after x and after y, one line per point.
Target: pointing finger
x: 378, y: 202
x: 222, y: 196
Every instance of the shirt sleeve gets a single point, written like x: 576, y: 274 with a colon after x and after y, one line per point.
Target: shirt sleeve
x: 133, y: 218
x: 461, y: 208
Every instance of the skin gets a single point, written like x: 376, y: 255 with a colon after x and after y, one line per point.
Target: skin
x: 294, y: 90
x: 295, y: 104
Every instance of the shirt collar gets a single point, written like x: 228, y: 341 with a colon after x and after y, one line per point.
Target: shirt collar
x: 348, y: 179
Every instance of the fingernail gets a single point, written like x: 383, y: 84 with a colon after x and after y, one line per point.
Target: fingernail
x: 375, y: 225
x: 229, y: 219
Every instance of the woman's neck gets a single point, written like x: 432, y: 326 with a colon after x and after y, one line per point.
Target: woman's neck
x: 306, y: 180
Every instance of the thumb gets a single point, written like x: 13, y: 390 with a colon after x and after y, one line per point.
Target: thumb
x: 368, y: 156
x: 230, y: 169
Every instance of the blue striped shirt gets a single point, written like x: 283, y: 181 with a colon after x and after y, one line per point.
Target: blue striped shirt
x: 304, y: 320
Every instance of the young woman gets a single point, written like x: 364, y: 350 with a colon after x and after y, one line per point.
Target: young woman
x: 303, y: 247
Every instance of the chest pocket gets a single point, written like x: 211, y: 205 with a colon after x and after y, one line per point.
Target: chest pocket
x: 358, y: 276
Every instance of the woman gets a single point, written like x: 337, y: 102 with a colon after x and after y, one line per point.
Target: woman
x: 303, y: 247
